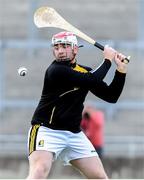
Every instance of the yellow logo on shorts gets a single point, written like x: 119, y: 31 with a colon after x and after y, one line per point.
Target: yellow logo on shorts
x: 41, y: 143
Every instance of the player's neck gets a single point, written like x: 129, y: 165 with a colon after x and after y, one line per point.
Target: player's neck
x: 73, y: 61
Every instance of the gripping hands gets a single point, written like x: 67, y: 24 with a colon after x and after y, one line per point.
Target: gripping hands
x: 119, y: 58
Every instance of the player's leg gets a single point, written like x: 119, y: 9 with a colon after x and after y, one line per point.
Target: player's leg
x: 44, y: 146
x: 83, y: 156
x: 40, y: 154
x: 40, y: 164
x: 91, y: 167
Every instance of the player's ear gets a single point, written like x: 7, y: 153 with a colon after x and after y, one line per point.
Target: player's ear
x: 75, y: 49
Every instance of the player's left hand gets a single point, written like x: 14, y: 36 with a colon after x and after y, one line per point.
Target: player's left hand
x: 121, y: 65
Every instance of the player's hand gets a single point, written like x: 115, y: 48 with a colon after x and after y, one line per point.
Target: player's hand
x: 109, y: 53
x: 121, y: 66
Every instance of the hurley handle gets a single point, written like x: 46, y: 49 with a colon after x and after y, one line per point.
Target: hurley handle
x: 98, y: 45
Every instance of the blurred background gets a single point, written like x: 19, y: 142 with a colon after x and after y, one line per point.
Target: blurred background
x: 117, y: 23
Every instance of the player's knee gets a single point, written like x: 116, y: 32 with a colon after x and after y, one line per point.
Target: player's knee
x: 97, y: 175
x: 100, y: 176
x: 40, y: 170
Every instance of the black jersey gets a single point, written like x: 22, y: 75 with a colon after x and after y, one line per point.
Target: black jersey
x: 65, y: 88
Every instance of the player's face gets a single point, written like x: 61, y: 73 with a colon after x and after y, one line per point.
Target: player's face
x: 64, y: 51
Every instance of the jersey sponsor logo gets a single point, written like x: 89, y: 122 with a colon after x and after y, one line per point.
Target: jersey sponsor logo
x: 41, y: 143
